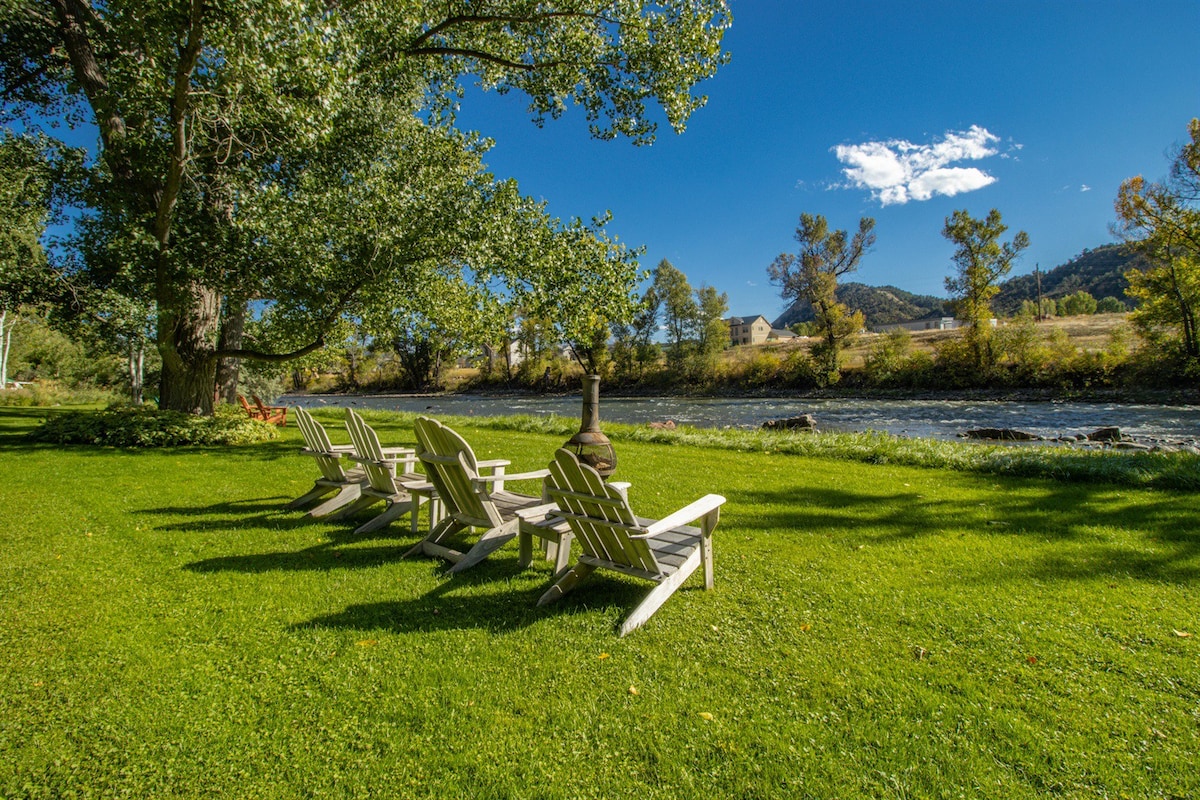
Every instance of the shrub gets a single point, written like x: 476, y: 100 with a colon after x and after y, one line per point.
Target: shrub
x: 1077, y: 304
x: 762, y: 369
x: 52, y: 393
x: 886, y: 358
x: 147, y: 426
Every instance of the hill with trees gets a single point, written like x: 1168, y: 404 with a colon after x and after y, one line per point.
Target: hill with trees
x: 1099, y: 272
x: 880, y: 305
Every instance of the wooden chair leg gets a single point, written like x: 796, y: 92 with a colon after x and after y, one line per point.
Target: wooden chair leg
x: 566, y: 583
x: 525, y: 541
x: 659, y: 594
x: 318, y: 490
x: 392, y: 512
x: 363, y: 501
x: 445, y: 528
x: 562, y: 553
x: 491, y: 540
x: 348, y: 494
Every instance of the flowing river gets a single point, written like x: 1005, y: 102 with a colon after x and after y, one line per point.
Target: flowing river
x: 933, y: 419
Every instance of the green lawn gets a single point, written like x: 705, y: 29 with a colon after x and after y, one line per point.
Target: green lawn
x: 167, y: 629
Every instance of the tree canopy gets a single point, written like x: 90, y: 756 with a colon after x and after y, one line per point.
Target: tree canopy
x: 812, y: 274
x: 1163, y: 219
x: 980, y: 261
x: 302, y: 153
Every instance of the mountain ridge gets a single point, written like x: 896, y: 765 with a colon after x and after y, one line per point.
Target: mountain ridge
x: 1099, y: 272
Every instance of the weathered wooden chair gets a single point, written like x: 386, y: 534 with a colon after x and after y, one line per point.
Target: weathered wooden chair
x: 330, y: 461
x: 385, y: 483
x: 665, y: 551
x: 250, y: 410
x: 476, y: 500
x: 276, y: 415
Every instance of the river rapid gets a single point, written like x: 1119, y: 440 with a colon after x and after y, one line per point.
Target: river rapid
x: 932, y: 419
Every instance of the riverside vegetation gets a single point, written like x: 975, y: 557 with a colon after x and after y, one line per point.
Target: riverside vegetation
x: 878, y: 629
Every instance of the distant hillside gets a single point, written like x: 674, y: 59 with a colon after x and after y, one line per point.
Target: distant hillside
x: 1099, y: 272
x: 881, y: 305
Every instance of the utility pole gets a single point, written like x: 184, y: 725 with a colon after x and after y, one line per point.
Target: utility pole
x: 1037, y: 273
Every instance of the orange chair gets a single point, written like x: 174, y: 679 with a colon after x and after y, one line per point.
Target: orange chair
x: 276, y: 415
x: 273, y: 414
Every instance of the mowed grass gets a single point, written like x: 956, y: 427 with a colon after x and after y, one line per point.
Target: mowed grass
x: 168, y: 629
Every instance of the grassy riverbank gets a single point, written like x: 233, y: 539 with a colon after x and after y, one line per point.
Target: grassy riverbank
x: 878, y: 629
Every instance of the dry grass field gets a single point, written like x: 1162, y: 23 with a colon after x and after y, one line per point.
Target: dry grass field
x: 1091, y: 332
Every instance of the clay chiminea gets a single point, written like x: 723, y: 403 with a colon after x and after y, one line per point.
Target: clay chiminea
x: 590, y: 445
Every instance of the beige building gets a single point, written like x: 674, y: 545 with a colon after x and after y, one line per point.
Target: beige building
x: 755, y: 330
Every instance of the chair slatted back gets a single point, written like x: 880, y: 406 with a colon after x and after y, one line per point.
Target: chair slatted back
x: 366, y: 446
x: 319, y: 446
x: 599, y: 515
x: 451, y: 466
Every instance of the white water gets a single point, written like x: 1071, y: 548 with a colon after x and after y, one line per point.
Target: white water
x: 936, y: 419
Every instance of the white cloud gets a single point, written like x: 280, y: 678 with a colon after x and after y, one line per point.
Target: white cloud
x: 1085, y: 188
x: 897, y: 171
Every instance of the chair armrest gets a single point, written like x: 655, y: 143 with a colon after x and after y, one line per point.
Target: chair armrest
x: 513, y: 476
x: 690, y: 513
x: 492, y: 463
x: 392, y: 452
x: 387, y: 463
x: 547, y: 511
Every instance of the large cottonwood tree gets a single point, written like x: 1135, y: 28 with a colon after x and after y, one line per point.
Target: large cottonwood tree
x: 213, y: 114
x: 825, y: 257
x: 1163, y: 219
x: 980, y: 261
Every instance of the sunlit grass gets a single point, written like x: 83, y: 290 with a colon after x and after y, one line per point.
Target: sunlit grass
x: 877, y: 630
x: 1166, y: 470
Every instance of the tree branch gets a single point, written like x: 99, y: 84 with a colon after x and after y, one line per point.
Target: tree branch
x: 274, y: 358
x: 71, y: 20
x: 476, y: 19
x: 179, y: 108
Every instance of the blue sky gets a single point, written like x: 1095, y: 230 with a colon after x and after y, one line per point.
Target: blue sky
x: 1039, y: 109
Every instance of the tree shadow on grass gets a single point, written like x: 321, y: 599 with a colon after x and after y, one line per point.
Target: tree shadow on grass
x: 344, y: 549
x: 1086, y: 517
x: 483, y: 599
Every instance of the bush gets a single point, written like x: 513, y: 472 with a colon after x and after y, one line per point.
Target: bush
x: 762, y: 369
x: 886, y: 358
x: 52, y: 393
x: 1077, y: 304
x: 146, y: 426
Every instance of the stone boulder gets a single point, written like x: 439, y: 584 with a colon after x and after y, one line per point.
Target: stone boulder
x: 1108, y: 434
x: 1003, y: 434
x: 804, y: 422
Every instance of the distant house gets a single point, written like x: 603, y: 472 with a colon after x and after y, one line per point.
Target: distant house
x: 752, y: 330
x: 937, y: 324
x: 781, y: 335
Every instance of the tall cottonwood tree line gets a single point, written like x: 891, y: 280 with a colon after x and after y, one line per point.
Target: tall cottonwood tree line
x: 826, y: 255
x: 302, y: 157
x: 1162, y: 218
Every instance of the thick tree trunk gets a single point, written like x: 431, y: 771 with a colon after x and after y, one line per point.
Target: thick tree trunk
x: 5, y: 344
x: 233, y: 324
x: 187, y: 332
x: 137, y: 362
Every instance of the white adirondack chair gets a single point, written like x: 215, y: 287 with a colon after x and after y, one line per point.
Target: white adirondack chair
x: 664, y: 551
x: 384, y: 482
x: 476, y: 500
x: 334, y: 475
